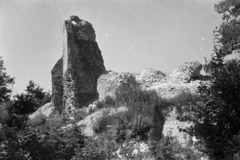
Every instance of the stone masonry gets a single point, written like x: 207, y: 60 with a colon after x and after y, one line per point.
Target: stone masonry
x: 57, y: 84
x: 74, y: 77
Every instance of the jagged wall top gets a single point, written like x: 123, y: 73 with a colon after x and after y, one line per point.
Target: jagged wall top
x: 82, y: 29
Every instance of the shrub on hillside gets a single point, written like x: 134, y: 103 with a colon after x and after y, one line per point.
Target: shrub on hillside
x: 42, y: 140
x: 137, y: 121
x: 216, y: 118
x: 168, y: 148
x: 108, y: 102
x: 12, y: 117
x: 101, y: 124
x: 139, y: 101
x: 100, y: 148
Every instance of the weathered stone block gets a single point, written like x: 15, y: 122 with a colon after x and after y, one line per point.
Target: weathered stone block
x: 186, y: 72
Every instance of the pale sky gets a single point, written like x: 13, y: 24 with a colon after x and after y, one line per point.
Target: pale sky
x: 131, y: 34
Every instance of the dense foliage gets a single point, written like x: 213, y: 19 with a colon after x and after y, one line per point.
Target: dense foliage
x: 227, y: 35
x: 41, y: 139
x: 33, y: 98
x: 15, y: 112
x: 217, y: 117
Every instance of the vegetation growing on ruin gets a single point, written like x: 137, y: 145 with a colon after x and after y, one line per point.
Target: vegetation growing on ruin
x: 51, y: 138
x: 131, y: 134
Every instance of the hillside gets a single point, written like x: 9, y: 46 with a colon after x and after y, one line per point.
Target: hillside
x: 97, y: 99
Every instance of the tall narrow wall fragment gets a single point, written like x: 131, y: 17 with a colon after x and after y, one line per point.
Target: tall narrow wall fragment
x: 82, y: 64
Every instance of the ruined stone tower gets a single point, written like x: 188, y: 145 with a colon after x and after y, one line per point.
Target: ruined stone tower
x: 74, y: 76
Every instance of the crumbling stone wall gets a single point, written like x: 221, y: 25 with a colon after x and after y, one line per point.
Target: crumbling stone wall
x: 57, y: 87
x: 82, y: 64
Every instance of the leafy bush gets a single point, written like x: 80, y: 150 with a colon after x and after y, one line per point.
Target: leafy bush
x: 169, y: 148
x: 137, y: 121
x: 104, y: 147
x: 101, y: 124
x: 216, y: 118
x: 42, y: 140
x: 108, y: 102
x: 12, y: 118
x: 101, y: 148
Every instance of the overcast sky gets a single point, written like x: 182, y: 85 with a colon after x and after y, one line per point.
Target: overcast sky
x: 132, y: 34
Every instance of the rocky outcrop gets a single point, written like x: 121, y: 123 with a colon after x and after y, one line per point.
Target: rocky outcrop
x: 109, y: 82
x: 187, y: 72
x: 171, y: 90
x: 166, y: 86
x: 74, y: 77
x: 89, y: 122
x: 235, y: 56
x: 150, y: 76
x: 45, y: 110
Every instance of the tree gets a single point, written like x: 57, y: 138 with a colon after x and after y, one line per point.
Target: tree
x: 42, y: 139
x: 5, y: 91
x: 5, y: 82
x: 216, y: 117
x: 17, y: 110
x: 35, y: 97
x: 227, y: 35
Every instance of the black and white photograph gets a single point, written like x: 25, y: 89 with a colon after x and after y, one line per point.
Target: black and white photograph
x: 119, y: 79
